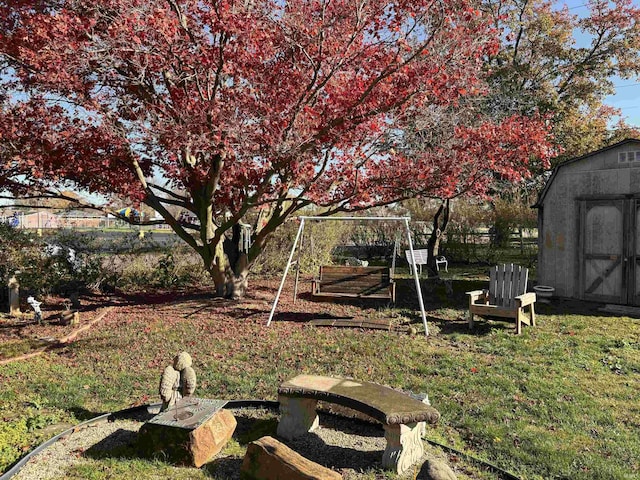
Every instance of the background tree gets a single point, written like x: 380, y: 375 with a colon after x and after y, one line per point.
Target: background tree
x: 221, y: 106
x: 479, y: 151
x: 541, y: 67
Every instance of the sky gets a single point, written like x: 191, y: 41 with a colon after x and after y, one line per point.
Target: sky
x: 627, y: 95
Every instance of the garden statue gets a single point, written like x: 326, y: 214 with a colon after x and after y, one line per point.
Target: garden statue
x: 36, y: 308
x: 14, y: 295
x: 69, y: 316
x: 169, y: 385
x: 177, y: 381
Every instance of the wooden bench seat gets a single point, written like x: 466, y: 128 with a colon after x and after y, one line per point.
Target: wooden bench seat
x: 402, y: 416
x: 354, y: 282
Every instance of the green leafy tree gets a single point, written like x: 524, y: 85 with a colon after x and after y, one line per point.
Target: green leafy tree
x: 540, y: 66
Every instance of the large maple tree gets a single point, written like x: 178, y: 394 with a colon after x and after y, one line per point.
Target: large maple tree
x: 223, y: 107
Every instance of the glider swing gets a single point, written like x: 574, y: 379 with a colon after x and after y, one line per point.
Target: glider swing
x: 348, y: 281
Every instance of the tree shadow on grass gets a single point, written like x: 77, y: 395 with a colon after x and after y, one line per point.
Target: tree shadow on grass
x: 82, y: 414
x: 301, y: 317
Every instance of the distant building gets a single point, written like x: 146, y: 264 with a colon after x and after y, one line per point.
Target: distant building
x: 39, y: 219
x: 81, y: 219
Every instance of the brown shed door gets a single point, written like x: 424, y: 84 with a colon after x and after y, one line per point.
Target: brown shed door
x: 634, y: 257
x: 603, y: 245
x: 611, y: 250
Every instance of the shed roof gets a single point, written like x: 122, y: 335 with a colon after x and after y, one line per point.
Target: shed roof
x: 544, y: 191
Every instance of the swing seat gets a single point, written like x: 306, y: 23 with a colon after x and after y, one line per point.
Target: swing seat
x: 354, y: 282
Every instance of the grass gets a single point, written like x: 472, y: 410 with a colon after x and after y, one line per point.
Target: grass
x: 19, y: 347
x: 559, y: 401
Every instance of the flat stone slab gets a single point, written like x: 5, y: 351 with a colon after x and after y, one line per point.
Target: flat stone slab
x: 384, y: 404
x: 371, y: 324
x: 189, y: 413
x: 268, y: 459
x: 191, y: 433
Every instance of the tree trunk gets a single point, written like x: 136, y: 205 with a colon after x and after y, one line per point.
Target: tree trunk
x: 440, y: 222
x: 230, y: 281
x: 229, y: 269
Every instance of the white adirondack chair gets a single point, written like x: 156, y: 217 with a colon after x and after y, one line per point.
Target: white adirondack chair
x: 422, y: 255
x: 506, y: 297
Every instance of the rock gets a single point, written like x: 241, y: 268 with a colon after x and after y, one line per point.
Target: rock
x: 436, y: 470
x: 193, y: 447
x: 268, y: 459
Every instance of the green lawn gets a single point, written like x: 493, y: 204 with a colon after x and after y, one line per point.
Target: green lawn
x: 560, y: 401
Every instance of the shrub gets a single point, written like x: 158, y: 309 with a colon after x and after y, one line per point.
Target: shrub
x: 318, y: 243
x: 41, y: 269
x: 69, y: 260
x: 170, y: 267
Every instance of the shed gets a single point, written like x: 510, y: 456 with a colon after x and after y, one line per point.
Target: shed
x: 589, y: 226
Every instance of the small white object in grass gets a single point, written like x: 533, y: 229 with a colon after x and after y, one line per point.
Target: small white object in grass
x: 36, y: 308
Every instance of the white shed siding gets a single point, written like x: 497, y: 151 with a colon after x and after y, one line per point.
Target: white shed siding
x: 596, y: 175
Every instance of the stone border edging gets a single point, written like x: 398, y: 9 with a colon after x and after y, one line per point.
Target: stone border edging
x: 62, y: 341
x: 21, y: 463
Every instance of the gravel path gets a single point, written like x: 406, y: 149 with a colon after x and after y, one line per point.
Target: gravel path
x: 54, y: 461
x: 351, y: 447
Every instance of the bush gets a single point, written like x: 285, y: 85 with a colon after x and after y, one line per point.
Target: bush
x: 41, y: 269
x: 318, y: 243
x: 170, y: 267
x: 68, y: 260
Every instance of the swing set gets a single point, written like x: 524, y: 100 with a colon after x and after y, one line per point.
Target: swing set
x: 352, y: 281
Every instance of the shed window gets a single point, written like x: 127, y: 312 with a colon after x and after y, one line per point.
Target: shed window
x: 628, y: 157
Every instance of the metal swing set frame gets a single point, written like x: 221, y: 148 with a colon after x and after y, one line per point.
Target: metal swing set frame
x: 304, y: 219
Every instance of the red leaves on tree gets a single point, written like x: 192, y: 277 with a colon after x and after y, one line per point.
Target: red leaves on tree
x: 246, y: 103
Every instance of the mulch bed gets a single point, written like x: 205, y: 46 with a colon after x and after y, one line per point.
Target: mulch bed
x: 366, y: 314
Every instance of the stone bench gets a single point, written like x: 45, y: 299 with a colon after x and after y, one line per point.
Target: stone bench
x: 403, y: 417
